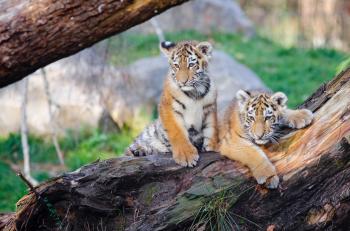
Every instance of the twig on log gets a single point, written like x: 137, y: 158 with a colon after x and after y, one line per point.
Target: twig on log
x: 29, y: 184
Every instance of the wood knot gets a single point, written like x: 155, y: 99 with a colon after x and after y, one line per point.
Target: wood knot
x: 324, y: 214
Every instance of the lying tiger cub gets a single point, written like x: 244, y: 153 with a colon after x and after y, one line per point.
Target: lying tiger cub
x: 252, y: 120
x: 187, y: 110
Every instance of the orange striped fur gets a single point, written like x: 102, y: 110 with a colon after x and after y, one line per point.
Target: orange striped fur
x: 250, y: 122
x: 187, y: 120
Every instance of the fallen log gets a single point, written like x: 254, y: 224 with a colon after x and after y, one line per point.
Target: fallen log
x: 153, y: 193
x: 36, y: 33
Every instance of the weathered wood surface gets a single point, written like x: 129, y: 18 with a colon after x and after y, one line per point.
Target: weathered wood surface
x: 153, y: 193
x: 36, y: 33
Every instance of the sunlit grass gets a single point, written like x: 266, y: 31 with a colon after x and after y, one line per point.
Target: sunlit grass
x: 343, y: 65
x: 215, y: 213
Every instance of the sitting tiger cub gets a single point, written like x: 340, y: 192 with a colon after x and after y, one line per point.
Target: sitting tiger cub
x: 252, y: 120
x: 187, y: 111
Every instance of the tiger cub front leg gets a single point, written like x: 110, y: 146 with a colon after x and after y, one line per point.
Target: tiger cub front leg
x: 184, y: 153
x: 298, y: 118
x: 254, y: 158
x: 209, y: 128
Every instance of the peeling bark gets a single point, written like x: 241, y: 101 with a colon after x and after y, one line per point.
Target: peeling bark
x: 36, y: 33
x: 153, y: 193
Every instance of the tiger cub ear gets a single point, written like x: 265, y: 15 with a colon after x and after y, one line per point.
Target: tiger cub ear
x: 167, y: 47
x: 242, y: 97
x: 205, y: 48
x: 280, y: 98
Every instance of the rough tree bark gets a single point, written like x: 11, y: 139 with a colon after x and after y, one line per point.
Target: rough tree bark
x: 153, y: 193
x: 36, y: 33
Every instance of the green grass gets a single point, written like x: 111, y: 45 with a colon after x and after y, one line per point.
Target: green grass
x: 98, y: 146
x: 297, y: 72
x: 80, y: 147
x: 343, y: 65
x: 11, y: 188
x: 214, y: 213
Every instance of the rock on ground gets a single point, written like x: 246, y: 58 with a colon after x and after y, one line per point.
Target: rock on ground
x: 204, y: 16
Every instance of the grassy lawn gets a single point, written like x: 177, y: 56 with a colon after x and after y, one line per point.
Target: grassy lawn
x: 297, y: 72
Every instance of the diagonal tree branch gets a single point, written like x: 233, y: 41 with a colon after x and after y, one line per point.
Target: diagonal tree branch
x: 36, y: 33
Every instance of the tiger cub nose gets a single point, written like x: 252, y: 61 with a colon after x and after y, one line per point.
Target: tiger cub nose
x: 184, y: 80
x: 259, y: 131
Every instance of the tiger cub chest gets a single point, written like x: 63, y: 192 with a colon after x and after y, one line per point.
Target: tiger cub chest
x: 191, y: 112
x: 193, y: 116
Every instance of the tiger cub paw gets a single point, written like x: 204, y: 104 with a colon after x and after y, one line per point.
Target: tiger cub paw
x: 209, y: 148
x: 266, y: 175
x: 137, y: 151
x: 300, y: 118
x: 210, y: 145
x: 185, y: 155
x: 272, y: 182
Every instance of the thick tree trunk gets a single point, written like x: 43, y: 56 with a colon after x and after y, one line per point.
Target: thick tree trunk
x: 36, y: 33
x: 153, y: 193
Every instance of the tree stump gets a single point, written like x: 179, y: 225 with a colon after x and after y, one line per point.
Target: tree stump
x: 153, y: 193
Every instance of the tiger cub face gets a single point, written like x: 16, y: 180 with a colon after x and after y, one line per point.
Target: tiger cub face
x: 189, y: 66
x: 261, y: 115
